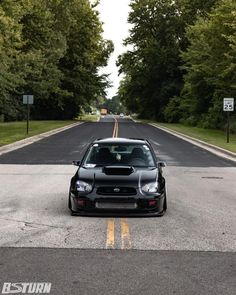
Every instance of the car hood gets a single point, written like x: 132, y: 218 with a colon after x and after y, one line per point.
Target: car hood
x: 136, y: 178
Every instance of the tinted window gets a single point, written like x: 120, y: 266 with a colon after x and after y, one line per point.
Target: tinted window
x: 138, y: 155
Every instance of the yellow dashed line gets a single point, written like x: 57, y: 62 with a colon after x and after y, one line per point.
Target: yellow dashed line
x: 110, y: 233
x: 125, y: 235
x: 115, y: 130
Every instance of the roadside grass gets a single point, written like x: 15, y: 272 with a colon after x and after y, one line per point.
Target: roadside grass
x: 88, y: 117
x: 13, y: 131
x: 212, y: 136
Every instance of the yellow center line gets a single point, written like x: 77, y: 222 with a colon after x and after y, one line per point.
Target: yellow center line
x: 115, y: 130
x: 125, y: 235
x: 110, y: 233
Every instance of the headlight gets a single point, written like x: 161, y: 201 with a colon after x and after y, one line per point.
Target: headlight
x: 83, y: 187
x: 150, y: 187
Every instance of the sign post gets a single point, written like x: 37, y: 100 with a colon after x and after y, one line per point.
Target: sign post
x: 28, y: 99
x: 228, y: 106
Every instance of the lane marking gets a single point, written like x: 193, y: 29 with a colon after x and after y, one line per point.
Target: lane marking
x: 32, y: 139
x: 156, y: 143
x: 111, y: 221
x: 125, y: 234
x: 110, y: 233
x: 115, y: 129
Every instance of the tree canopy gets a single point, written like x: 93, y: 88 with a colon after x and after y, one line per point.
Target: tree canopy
x: 182, y: 61
x: 52, y: 49
x: 210, y: 63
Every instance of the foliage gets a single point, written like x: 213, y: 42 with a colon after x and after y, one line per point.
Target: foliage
x: 182, y: 61
x: 212, y: 136
x: 10, y: 75
x: 13, y: 131
x: 210, y: 62
x: 53, y: 50
x: 151, y: 69
x: 114, y: 105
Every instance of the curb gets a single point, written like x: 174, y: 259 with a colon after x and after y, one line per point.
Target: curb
x: 207, y: 146
x: 24, y: 142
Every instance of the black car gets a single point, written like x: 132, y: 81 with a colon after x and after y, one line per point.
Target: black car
x: 118, y: 176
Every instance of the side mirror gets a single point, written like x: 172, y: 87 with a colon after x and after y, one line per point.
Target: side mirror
x: 161, y: 164
x: 76, y: 163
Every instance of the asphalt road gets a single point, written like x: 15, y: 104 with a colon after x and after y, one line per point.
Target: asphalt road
x: 63, y: 148
x: 191, y: 250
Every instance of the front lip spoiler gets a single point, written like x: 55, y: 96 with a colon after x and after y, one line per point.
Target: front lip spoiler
x: 117, y: 214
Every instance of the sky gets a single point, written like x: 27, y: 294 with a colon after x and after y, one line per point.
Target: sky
x: 114, y: 14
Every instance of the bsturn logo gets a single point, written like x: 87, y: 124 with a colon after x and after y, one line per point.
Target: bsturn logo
x: 26, y: 288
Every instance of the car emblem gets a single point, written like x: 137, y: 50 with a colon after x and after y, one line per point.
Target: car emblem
x: 116, y: 190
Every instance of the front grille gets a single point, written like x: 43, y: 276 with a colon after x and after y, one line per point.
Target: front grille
x: 117, y: 191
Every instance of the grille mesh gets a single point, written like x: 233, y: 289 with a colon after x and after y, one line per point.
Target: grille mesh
x: 117, y: 191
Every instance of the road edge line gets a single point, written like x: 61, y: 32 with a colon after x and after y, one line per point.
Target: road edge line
x: 207, y: 146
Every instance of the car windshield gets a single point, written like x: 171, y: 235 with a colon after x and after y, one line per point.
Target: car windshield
x: 138, y: 155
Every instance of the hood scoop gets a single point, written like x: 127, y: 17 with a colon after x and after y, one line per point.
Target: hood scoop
x: 118, y: 170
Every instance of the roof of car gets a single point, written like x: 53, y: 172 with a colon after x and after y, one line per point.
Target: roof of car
x: 121, y: 140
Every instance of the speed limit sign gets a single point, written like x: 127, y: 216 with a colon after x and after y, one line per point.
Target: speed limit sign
x: 228, y: 105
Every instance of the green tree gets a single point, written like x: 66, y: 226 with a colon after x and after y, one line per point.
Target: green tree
x: 10, y: 74
x: 114, y: 105
x: 86, y: 52
x: 153, y: 73
x: 210, y: 62
x: 151, y: 67
x: 52, y: 49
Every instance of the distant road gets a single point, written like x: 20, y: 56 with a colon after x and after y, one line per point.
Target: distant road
x: 64, y: 147
x: 190, y: 250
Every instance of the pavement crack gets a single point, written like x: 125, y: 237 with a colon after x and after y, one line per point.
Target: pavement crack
x: 68, y: 229
x: 31, y: 224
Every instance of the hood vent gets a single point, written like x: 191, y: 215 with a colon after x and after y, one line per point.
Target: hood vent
x: 118, y: 170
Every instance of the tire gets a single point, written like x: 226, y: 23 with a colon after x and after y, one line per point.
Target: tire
x: 73, y: 213
x: 69, y: 202
x: 165, y: 202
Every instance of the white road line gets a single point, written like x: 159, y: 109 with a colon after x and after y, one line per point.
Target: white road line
x: 24, y: 142
x: 155, y: 142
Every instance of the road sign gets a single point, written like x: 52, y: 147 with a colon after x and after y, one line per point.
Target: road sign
x: 28, y: 99
x: 228, y: 105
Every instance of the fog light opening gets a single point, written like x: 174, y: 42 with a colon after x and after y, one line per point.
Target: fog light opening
x: 81, y: 202
x: 152, y: 203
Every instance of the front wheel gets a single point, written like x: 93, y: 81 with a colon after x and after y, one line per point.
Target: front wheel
x: 69, y: 202
x: 164, y: 205
x: 165, y: 201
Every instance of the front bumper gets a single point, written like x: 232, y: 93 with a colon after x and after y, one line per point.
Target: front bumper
x: 141, y: 205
